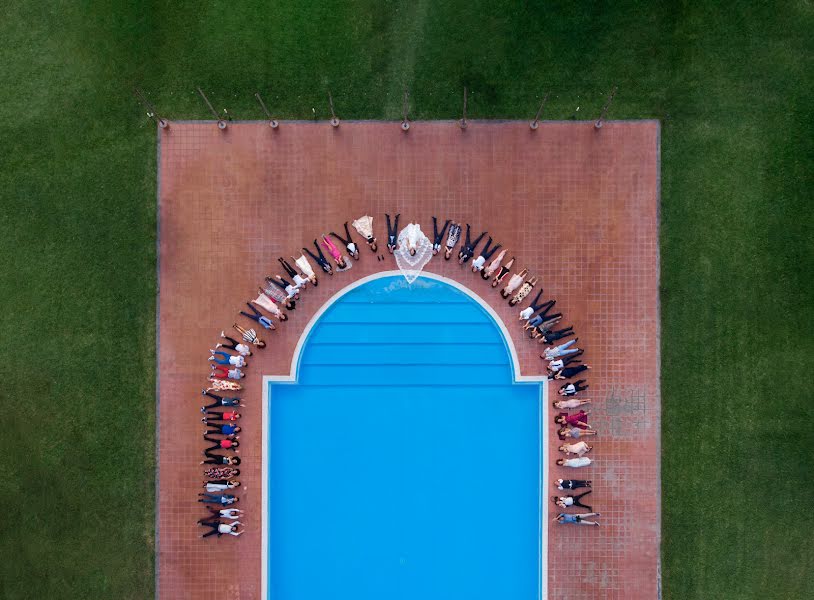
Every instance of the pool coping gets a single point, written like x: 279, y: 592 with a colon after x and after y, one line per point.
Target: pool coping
x: 291, y: 377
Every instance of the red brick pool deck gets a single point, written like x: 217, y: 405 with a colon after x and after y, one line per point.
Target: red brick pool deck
x: 579, y: 208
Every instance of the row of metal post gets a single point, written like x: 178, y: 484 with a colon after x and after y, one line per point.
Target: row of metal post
x: 405, y: 122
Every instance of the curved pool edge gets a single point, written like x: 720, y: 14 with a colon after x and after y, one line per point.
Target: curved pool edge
x: 517, y: 377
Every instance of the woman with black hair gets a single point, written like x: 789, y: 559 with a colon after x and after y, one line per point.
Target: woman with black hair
x: 557, y: 365
x: 468, y: 249
x: 319, y: 258
x: 217, y: 498
x: 571, y: 389
x: 353, y: 249
x: 504, y: 270
x: 220, y: 401
x: 485, y: 254
x: 438, y: 235
x: 553, y: 336
x: 364, y: 225
x: 256, y: 315
x: 249, y: 335
x: 232, y: 344
x: 571, y: 500
x: 487, y: 273
x: 542, y: 315
x: 392, y: 233
x: 300, y: 280
x: 543, y: 328
x: 569, y: 372
x: 224, y: 444
x: 533, y: 307
x: 219, y: 459
x: 452, y: 238
x: 292, y: 291
x: 227, y: 429
x: 524, y: 291
x: 268, y: 303
x: 572, y: 484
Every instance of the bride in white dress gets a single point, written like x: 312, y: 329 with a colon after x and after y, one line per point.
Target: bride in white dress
x: 413, y: 252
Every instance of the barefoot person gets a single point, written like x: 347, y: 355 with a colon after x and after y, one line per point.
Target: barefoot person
x: 336, y: 255
x: 524, y: 291
x: 579, y: 448
x: 487, y: 273
x: 574, y: 463
x: 574, y: 433
x: 578, y: 519
x: 571, y: 403
x: 579, y: 419
x: 515, y: 281
x: 269, y: 305
x: 501, y: 274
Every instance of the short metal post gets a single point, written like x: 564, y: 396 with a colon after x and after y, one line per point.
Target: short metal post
x: 221, y: 122
x: 272, y: 121
x: 463, y: 123
x: 536, y: 122
x: 334, y: 119
x: 151, y: 111
x: 405, y: 122
x: 598, y: 124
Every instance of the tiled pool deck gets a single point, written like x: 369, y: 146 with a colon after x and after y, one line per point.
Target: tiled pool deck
x: 579, y: 207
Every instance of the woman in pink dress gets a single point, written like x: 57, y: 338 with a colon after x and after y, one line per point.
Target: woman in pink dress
x: 578, y: 420
x: 333, y: 251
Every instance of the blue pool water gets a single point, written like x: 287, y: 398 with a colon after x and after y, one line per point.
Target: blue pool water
x: 404, y: 463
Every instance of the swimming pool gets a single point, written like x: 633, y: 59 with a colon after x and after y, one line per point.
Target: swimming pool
x: 405, y: 462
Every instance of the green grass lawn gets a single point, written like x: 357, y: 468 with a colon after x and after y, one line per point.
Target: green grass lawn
x: 731, y: 83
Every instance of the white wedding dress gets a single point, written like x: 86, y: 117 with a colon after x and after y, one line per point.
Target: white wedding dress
x: 411, y: 265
